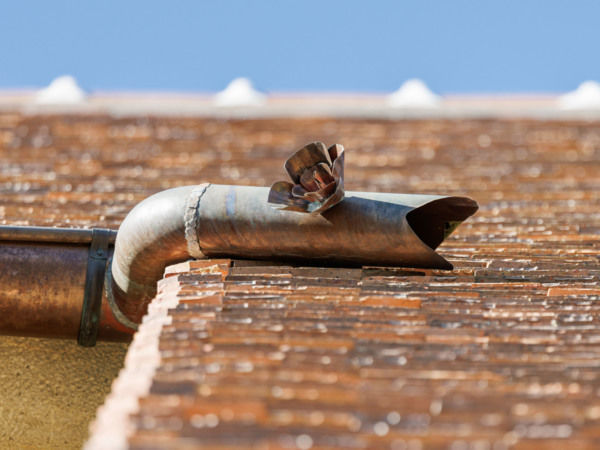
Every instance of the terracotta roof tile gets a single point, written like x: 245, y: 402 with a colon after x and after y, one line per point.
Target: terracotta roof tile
x: 500, y: 353
x: 437, y: 359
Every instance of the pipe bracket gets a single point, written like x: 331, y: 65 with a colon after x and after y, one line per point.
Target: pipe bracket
x: 94, y: 280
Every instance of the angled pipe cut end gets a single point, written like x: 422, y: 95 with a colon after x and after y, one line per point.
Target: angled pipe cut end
x: 210, y: 221
x: 434, y: 221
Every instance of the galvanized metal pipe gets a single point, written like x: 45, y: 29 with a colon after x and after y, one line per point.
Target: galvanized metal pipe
x: 236, y: 221
x: 151, y: 237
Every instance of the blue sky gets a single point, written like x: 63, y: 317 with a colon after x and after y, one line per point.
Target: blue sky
x: 366, y: 46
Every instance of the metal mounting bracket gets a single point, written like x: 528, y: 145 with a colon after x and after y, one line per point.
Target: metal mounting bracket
x: 94, y: 281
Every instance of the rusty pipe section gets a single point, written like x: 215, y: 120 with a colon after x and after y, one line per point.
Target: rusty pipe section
x: 43, y: 278
x: 236, y: 221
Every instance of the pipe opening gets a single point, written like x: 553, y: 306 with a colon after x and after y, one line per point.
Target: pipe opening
x: 436, y: 220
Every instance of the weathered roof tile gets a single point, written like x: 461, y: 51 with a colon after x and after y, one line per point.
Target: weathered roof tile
x: 502, y: 352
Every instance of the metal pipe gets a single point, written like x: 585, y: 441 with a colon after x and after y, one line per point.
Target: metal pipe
x: 365, y: 229
x: 43, y: 294
x: 151, y: 237
x: 49, y: 234
x: 236, y: 221
x: 43, y: 285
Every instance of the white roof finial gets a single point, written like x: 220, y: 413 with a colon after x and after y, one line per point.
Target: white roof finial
x: 240, y: 92
x: 585, y: 97
x: 61, y: 91
x: 414, y: 93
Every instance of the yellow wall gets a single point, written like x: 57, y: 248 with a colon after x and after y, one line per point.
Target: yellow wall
x: 50, y: 390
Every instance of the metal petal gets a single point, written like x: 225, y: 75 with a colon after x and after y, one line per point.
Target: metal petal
x: 337, y: 197
x: 316, y: 177
x: 307, y: 180
x: 322, y: 175
x: 281, y: 194
x: 300, y: 209
x: 335, y: 150
x: 327, y: 190
x: 337, y: 169
x: 308, y: 156
x: 299, y: 191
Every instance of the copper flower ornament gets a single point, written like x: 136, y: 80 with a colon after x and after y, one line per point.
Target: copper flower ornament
x: 317, y: 174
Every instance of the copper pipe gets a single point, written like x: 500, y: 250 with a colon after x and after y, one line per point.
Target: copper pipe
x: 42, y: 278
x: 236, y: 221
x: 365, y: 229
x: 48, y: 234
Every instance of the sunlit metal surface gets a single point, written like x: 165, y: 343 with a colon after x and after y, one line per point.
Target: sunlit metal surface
x: 238, y: 221
x: 43, y: 290
x: 50, y: 234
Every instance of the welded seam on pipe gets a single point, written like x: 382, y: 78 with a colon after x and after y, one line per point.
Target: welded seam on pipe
x: 121, y: 318
x: 191, y: 219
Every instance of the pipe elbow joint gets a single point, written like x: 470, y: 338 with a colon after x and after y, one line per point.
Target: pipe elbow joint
x: 238, y: 222
x: 151, y: 237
